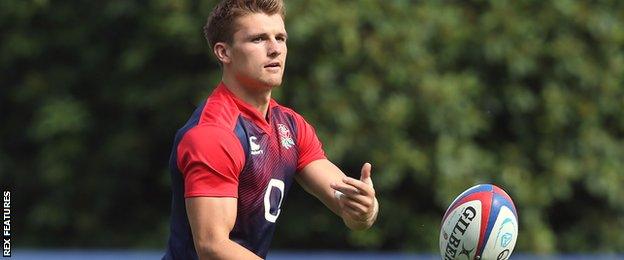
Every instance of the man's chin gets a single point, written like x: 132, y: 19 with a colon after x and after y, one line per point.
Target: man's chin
x: 264, y: 83
x: 273, y: 83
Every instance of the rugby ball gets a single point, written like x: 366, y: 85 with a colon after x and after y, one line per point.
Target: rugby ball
x: 481, y: 223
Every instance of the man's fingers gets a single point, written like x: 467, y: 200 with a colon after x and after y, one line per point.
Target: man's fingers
x: 359, y: 207
x: 359, y: 199
x: 356, y: 207
x: 349, y: 212
x: 346, y: 189
x: 352, y: 196
x: 355, y: 211
x: 363, y: 188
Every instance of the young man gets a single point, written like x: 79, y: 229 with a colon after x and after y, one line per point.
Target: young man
x: 234, y: 161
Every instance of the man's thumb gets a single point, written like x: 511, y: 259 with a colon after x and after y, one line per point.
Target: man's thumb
x: 366, y: 174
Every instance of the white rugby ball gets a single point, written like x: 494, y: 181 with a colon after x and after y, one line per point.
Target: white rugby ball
x: 481, y: 223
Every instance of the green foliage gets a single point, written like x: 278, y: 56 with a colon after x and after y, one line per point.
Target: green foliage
x: 438, y: 96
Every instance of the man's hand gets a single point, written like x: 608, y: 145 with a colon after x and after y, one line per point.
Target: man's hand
x: 356, y: 198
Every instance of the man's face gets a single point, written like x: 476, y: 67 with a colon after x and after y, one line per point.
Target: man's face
x: 258, y: 51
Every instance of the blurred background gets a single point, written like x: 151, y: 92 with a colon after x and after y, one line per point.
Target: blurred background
x: 439, y: 96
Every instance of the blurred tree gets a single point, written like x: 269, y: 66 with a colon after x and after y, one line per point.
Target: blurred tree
x: 438, y: 96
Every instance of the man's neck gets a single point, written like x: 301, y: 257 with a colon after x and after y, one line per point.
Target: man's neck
x: 258, y: 99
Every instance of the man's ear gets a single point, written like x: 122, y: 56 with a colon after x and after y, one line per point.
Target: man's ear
x: 222, y: 52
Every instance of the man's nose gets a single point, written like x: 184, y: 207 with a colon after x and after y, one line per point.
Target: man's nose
x: 274, y: 48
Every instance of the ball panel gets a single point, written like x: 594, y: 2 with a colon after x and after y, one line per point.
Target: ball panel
x: 486, y: 208
x: 459, y: 233
x: 502, y: 240
x: 502, y: 192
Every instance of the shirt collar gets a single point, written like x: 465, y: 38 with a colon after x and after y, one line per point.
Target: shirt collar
x: 246, y: 109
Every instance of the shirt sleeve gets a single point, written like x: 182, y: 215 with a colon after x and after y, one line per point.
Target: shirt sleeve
x: 310, y: 148
x: 210, y: 159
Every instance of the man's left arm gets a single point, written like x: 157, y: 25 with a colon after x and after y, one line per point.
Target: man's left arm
x: 352, y: 199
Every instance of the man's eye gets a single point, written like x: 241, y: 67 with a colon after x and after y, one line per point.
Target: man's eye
x: 257, y: 39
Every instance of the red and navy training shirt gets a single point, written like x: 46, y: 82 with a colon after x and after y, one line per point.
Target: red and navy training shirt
x: 227, y: 149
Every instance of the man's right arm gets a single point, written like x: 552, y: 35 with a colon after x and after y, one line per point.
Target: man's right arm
x: 210, y: 159
x: 211, y: 220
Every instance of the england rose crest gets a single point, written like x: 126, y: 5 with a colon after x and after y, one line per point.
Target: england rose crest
x: 285, y: 137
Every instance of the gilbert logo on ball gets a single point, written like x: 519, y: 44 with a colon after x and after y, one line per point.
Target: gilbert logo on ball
x: 481, y: 223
